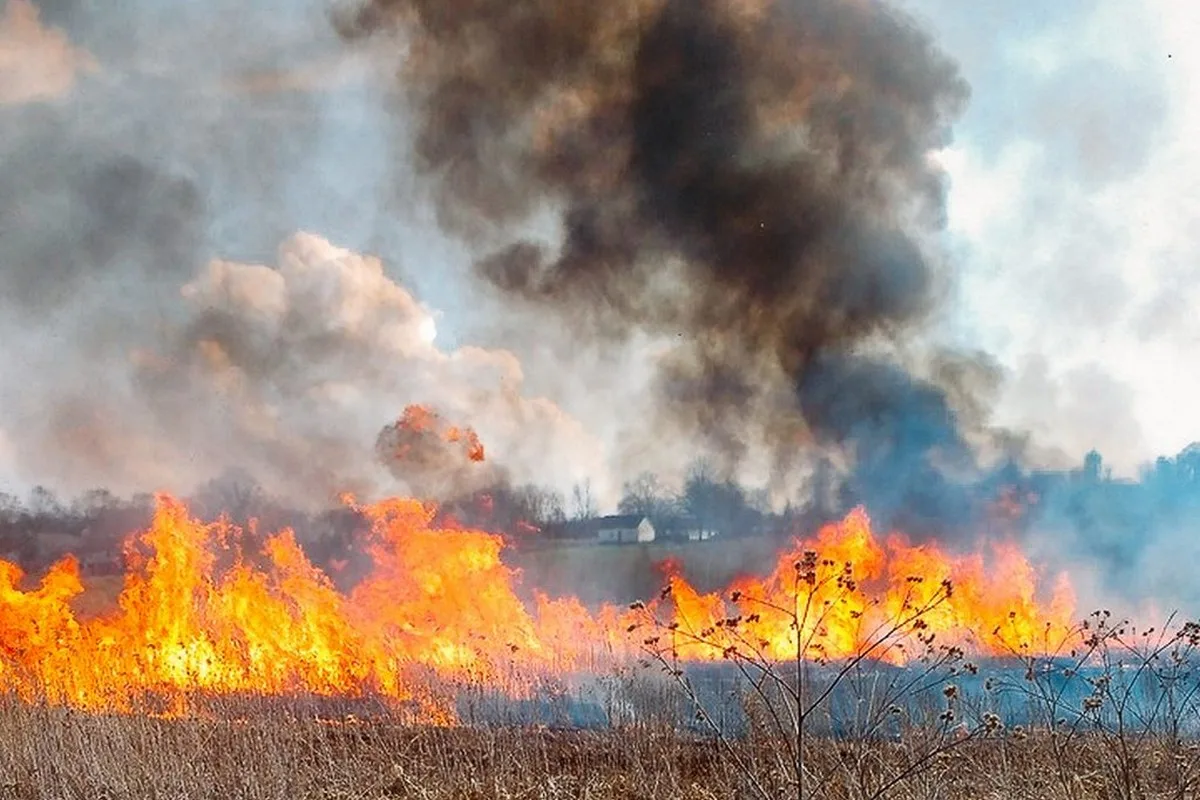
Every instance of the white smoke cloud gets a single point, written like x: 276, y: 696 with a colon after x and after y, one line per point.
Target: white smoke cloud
x: 37, y: 63
x: 289, y: 372
x: 8, y: 463
x: 1073, y: 186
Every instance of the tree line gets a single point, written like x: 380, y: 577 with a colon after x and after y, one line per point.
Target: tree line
x: 1106, y: 517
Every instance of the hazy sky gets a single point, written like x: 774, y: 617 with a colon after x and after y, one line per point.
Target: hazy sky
x: 1074, y: 171
x: 1075, y: 193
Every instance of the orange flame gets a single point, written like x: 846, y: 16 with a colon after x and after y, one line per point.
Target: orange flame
x: 196, y: 617
x: 846, y: 593
x: 418, y: 421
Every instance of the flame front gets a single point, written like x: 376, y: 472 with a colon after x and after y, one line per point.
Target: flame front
x: 847, y: 594
x: 198, y: 618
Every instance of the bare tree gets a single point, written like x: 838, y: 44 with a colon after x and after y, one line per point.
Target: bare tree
x: 10, y: 508
x: 644, y: 495
x: 507, y: 509
x: 583, y: 503
x: 714, y: 502
x: 235, y: 494
x: 542, y: 505
x: 93, y: 502
x: 44, y: 502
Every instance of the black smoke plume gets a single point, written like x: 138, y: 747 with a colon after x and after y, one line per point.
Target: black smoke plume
x: 751, y: 177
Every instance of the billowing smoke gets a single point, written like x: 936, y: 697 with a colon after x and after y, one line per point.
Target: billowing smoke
x: 157, y: 332
x: 288, y: 373
x: 36, y: 61
x: 752, y: 179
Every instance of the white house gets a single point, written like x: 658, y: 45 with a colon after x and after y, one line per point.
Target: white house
x: 624, y: 528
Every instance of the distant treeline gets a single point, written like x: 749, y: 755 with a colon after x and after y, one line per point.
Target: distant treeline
x: 1091, y: 512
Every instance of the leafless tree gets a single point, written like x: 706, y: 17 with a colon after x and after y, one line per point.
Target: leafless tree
x: 583, y: 503
x: 645, y: 495
x: 235, y: 494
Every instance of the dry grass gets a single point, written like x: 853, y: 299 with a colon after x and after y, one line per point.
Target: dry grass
x: 53, y: 753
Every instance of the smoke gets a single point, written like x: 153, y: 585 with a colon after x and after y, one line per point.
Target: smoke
x: 154, y: 337
x: 37, y: 63
x: 735, y: 196
x: 750, y: 180
x: 102, y: 215
x: 288, y: 372
x: 307, y: 361
x: 902, y: 433
x: 742, y: 189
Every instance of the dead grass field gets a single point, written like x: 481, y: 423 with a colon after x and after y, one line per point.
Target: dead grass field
x: 53, y: 753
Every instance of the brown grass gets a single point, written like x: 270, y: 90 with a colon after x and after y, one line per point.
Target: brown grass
x: 54, y: 753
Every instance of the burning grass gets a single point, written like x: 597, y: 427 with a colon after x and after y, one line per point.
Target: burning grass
x: 199, y: 612
x: 851, y: 670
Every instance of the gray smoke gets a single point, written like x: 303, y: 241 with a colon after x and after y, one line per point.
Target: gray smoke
x: 751, y: 180
x: 163, y: 320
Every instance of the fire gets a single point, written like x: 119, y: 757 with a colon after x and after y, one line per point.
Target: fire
x: 199, y: 618
x: 439, y: 603
x: 418, y: 423
x: 847, y: 593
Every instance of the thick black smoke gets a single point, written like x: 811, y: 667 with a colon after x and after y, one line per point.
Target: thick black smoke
x: 751, y: 177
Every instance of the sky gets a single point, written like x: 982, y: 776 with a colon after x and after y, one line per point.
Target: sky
x: 280, y: 151
x: 1074, y: 176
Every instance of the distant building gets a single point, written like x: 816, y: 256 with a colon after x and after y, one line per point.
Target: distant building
x: 614, y: 529
x: 624, y: 529
x: 683, y: 529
